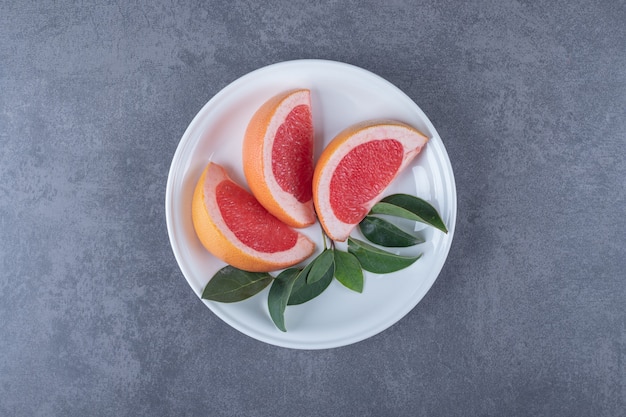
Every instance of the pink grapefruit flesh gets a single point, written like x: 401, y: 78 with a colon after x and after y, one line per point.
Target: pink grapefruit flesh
x: 292, y: 154
x: 250, y: 222
x: 361, y: 176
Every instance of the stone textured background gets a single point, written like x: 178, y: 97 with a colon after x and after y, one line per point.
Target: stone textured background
x: 527, y: 317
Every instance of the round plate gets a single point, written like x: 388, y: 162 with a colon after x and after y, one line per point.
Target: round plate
x: 341, y: 95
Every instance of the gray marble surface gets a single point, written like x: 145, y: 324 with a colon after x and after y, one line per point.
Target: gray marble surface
x: 527, y: 317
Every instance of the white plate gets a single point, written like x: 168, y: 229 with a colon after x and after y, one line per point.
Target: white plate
x: 341, y: 95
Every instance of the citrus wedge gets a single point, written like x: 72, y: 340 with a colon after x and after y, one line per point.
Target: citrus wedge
x: 355, y: 169
x: 278, y: 157
x: 233, y: 226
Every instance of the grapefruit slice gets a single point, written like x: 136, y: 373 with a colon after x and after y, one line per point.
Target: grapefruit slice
x: 355, y: 169
x: 233, y: 226
x: 278, y: 157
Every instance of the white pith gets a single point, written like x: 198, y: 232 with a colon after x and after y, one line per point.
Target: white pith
x: 412, y: 143
x: 214, y: 176
x: 301, y: 212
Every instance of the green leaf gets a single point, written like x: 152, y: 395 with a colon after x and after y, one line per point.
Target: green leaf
x: 348, y: 271
x: 377, y: 260
x: 231, y: 284
x: 320, y: 266
x: 303, y: 292
x: 301, y: 278
x: 279, y: 295
x: 384, y: 233
x: 410, y: 207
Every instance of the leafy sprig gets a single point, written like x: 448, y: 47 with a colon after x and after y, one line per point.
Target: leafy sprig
x: 297, y: 286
